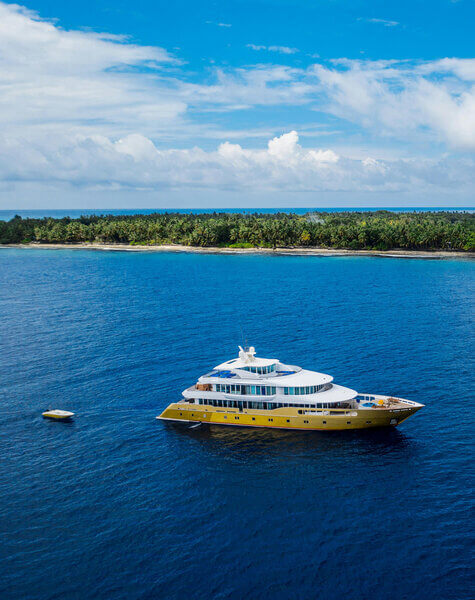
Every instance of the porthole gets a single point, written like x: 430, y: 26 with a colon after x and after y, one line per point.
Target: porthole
x: 324, y: 422
x: 348, y: 422
x: 368, y: 422
x: 305, y: 421
x: 288, y: 420
x: 253, y: 418
x: 236, y: 417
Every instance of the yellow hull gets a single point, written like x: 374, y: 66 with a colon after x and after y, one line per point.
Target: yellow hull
x: 289, y: 418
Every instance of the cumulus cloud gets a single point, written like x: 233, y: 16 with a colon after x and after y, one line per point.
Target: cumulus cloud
x: 94, y: 109
x: 134, y: 161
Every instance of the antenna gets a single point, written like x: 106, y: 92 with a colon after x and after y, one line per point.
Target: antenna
x: 243, y: 339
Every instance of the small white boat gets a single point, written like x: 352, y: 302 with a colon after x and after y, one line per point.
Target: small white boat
x: 59, y: 415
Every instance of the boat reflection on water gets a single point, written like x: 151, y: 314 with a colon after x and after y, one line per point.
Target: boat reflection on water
x: 287, y: 443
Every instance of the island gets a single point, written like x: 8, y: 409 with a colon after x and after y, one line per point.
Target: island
x: 441, y: 232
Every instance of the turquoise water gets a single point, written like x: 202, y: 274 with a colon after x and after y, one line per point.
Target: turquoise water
x: 119, y: 505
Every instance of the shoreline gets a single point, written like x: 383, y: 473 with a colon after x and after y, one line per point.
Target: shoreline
x: 300, y: 251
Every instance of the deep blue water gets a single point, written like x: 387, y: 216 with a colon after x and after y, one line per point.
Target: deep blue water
x: 119, y: 505
x: 6, y: 215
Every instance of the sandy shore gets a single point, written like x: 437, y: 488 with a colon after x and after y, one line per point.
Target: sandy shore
x: 436, y: 254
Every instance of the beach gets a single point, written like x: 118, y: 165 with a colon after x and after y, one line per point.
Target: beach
x: 301, y: 251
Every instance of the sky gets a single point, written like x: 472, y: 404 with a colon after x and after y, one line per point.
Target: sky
x: 154, y: 104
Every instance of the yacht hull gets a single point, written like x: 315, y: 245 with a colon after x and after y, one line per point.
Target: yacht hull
x: 289, y: 418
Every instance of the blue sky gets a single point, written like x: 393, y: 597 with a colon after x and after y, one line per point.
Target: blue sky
x: 263, y: 103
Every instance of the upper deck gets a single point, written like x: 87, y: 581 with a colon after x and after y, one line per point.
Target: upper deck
x: 250, y: 375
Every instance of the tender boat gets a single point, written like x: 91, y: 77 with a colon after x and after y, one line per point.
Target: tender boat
x: 58, y: 415
x: 263, y: 392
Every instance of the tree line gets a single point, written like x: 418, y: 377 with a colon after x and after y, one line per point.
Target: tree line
x: 380, y: 230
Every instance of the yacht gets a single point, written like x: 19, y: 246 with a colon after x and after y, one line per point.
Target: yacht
x: 263, y: 392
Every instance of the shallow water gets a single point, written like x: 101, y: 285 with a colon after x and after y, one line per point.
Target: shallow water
x: 119, y: 505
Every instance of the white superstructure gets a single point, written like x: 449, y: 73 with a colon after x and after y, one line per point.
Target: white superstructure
x: 266, y: 383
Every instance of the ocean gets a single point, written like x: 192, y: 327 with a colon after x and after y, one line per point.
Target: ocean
x: 119, y: 505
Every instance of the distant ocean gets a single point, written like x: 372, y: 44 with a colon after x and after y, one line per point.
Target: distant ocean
x: 6, y: 215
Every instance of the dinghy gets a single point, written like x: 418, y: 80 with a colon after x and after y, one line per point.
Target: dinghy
x: 58, y: 415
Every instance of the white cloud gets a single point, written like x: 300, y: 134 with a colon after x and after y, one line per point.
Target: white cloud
x: 93, y: 109
x: 242, y: 88
x: 384, y: 22
x: 279, y: 49
x: 134, y: 161
x: 53, y: 80
x: 219, y: 24
x: 434, y: 99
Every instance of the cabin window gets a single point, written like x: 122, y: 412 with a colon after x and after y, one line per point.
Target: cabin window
x: 300, y: 391
x: 324, y: 422
x: 236, y: 417
x: 288, y: 420
x: 305, y: 421
x: 300, y: 412
x: 348, y: 422
x: 253, y: 418
x: 270, y: 419
x: 368, y: 422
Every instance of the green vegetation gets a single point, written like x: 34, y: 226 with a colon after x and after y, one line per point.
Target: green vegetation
x: 382, y: 230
